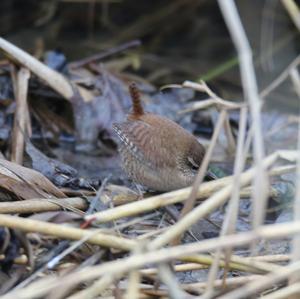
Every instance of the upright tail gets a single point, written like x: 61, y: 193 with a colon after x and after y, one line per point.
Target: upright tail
x: 136, y: 101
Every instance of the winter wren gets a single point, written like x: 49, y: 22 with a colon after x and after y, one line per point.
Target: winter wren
x: 155, y: 151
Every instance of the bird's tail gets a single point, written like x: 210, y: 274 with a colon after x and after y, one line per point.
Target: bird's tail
x: 136, y: 100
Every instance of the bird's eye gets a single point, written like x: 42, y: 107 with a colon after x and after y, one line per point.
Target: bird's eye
x: 192, y: 164
x: 194, y: 167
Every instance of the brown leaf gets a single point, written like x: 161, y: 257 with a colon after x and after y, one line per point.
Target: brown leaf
x: 26, y: 183
x: 98, y: 107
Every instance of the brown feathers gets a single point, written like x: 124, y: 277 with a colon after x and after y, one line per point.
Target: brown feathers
x: 155, y: 151
x: 137, y: 108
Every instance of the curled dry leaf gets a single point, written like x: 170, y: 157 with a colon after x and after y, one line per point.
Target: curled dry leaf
x: 26, y: 183
x: 97, y: 109
x: 59, y: 173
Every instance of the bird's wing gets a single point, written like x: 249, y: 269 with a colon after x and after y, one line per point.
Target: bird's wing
x: 141, y: 140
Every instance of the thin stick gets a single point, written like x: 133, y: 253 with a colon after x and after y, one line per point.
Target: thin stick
x: 190, y: 202
x: 97, y: 197
x: 296, y: 208
x: 41, y: 205
x: 263, y: 283
x: 167, y: 277
x: 95, y: 289
x: 293, y: 10
x: 156, y: 202
x: 274, y: 258
x: 261, y: 264
x: 200, y: 286
x: 42, y: 287
x: 285, y: 293
x: 214, y: 100
x: 133, y: 285
x: 254, y: 262
x: 108, y: 52
x: 134, y: 278
x: 239, y: 38
x: 232, y: 213
x: 202, y: 86
x: 177, y: 268
x: 20, y: 119
x: 251, y: 265
x: 283, y: 75
x: 54, y: 79
x: 220, y: 105
x: 61, y: 231
x: 215, y: 201
x: 53, y: 262
x: 229, y: 135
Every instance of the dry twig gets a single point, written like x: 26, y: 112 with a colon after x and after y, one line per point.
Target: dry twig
x: 155, y: 202
x: 62, y: 231
x: 20, y: 118
x: 117, y: 267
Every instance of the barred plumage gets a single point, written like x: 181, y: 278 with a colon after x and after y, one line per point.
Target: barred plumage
x: 155, y: 151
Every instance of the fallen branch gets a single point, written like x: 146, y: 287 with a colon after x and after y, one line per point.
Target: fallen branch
x: 54, y: 79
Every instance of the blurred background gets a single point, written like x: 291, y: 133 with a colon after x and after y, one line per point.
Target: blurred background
x: 181, y: 40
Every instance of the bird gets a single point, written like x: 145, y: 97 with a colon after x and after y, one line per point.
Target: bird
x: 156, y: 152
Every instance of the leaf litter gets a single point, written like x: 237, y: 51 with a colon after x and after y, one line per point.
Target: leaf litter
x: 70, y: 176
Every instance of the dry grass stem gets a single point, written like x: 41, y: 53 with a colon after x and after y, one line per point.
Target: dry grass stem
x: 191, y: 200
x: 134, y: 278
x: 283, y: 75
x: 263, y: 283
x: 64, y: 239
x: 293, y: 11
x: 62, y: 231
x: 214, y: 100
x: 52, y: 263
x: 20, y: 120
x: 167, y: 277
x: 276, y: 258
x: 199, y: 287
x: 95, y: 289
x: 212, y: 203
x: 296, y: 208
x: 231, y: 146
x: 235, y: 263
x: 177, y: 268
x: 42, y: 205
x: 285, y: 292
x: 275, y: 231
x: 254, y: 263
x: 231, y: 216
x: 133, y: 285
x: 54, y: 79
x: 242, y: 45
x: 158, y: 201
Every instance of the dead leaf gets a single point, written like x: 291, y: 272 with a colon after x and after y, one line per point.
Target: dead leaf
x: 26, y: 183
x: 109, y: 103
x: 59, y: 173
